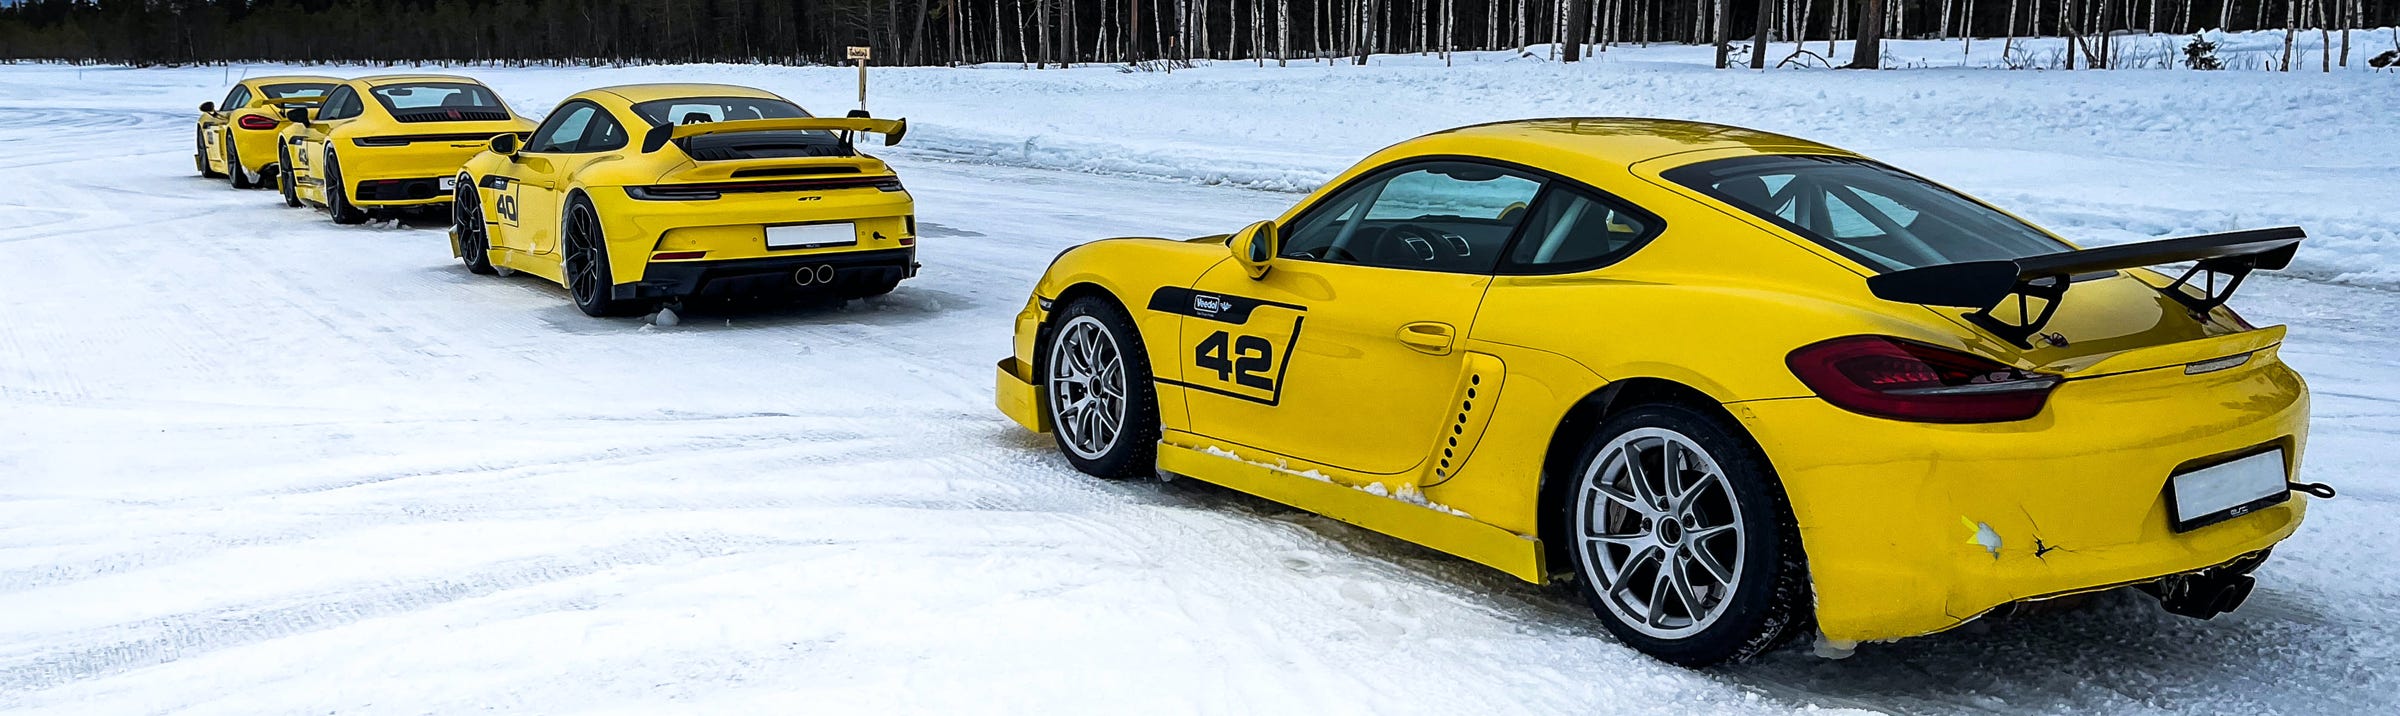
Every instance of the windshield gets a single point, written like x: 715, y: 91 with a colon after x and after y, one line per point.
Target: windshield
x: 437, y: 101
x: 1874, y: 214
x: 296, y: 89
x: 743, y: 145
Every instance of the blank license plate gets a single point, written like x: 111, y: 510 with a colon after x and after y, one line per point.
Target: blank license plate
x: 448, y: 183
x: 809, y: 236
x: 2226, y: 490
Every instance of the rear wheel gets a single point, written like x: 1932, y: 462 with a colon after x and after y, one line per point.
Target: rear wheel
x: 586, y: 265
x: 283, y: 175
x: 877, y: 288
x: 233, y: 166
x: 337, y: 200
x: 466, y: 221
x: 1682, y: 540
x: 1096, y: 388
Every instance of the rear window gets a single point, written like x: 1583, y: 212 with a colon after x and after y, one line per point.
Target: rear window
x: 745, y: 145
x: 1882, y: 217
x: 440, y: 101
x: 296, y: 89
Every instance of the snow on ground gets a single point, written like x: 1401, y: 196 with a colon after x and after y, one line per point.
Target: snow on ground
x: 254, y: 463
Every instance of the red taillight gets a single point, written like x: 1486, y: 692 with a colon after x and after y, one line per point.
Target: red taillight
x: 677, y: 255
x: 255, y: 121
x: 1902, y: 380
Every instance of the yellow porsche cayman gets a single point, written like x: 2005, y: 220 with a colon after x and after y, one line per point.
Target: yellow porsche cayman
x: 389, y: 141
x: 237, y: 136
x: 1732, y: 385
x: 638, y: 195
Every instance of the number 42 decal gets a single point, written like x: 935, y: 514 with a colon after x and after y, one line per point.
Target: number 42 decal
x: 1249, y: 361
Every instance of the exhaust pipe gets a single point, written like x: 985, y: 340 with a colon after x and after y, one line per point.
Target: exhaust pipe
x: 2209, y: 592
x: 807, y: 276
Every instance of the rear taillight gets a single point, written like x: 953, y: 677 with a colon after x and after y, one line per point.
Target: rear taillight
x: 1903, y: 380
x: 255, y: 121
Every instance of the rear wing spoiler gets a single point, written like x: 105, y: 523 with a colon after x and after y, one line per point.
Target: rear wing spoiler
x: 891, y: 129
x: 1985, y: 284
x: 291, y: 101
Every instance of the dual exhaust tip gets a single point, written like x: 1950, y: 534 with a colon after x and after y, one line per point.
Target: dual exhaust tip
x: 810, y: 276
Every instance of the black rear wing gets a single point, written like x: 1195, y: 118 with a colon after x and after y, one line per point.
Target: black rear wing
x: 1985, y: 284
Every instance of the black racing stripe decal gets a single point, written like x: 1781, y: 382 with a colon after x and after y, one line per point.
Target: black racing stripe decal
x: 1219, y: 307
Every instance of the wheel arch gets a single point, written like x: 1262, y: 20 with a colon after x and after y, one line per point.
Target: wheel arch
x: 1584, y: 418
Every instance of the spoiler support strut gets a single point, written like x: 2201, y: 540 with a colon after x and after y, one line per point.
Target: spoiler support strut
x: 1983, y: 285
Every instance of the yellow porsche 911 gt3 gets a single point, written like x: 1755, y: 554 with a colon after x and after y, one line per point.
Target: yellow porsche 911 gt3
x: 389, y: 141
x: 237, y: 137
x: 639, y: 195
x: 1730, y: 384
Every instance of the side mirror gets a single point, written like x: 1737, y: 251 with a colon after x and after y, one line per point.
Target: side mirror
x: 1254, y: 246
x: 298, y: 115
x: 208, y: 108
x: 505, y: 145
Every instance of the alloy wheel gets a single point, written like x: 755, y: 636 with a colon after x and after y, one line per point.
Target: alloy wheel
x: 1658, y: 520
x: 1087, y: 387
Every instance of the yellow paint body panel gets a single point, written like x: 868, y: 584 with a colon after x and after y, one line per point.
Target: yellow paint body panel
x: 315, y: 146
x: 254, y: 147
x: 1713, y: 304
x: 536, y: 188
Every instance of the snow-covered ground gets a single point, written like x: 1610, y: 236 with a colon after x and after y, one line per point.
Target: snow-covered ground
x: 254, y: 463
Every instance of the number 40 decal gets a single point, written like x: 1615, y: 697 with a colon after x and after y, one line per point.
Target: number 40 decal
x: 1249, y: 361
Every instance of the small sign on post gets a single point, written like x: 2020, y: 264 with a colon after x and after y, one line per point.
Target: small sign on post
x: 861, y: 54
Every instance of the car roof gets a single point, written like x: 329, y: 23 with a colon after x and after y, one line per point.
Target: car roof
x: 638, y: 93
x: 381, y: 80
x: 289, y: 79
x: 1613, y: 141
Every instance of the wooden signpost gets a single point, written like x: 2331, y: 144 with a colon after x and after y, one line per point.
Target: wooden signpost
x: 861, y: 54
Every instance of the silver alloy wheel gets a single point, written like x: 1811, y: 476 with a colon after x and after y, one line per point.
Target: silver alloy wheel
x: 1087, y: 387
x: 1657, y: 519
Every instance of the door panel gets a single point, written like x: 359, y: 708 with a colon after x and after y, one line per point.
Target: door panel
x: 1337, y: 364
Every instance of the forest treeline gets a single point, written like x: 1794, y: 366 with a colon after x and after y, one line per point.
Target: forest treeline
x: 1051, y: 32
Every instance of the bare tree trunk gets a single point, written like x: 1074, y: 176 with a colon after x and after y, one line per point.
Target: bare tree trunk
x: 1758, y: 37
x: 1575, y: 24
x: 2291, y: 28
x: 1724, y: 31
x: 1867, y: 54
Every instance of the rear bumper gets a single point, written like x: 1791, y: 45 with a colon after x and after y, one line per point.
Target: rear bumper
x: 1890, y: 512
x: 774, y: 275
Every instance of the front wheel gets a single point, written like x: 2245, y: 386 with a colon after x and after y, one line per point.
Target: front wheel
x: 234, y: 174
x: 1682, y: 540
x: 466, y: 221
x: 1096, y: 388
x: 284, y: 181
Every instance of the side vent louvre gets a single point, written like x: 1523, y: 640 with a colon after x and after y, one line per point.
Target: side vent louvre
x: 1477, y: 392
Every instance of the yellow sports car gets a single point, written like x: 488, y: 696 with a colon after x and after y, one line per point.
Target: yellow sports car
x: 389, y: 141
x: 237, y: 137
x: 639, y: 195
x: 1733, y: 385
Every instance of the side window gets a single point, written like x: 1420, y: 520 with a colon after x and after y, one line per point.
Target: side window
x: 1574, y: 230
x: 1433, y: 216
x: 342, y: 104
x: 236, y: 98
x: 603, y: 134
x: 563, y: 131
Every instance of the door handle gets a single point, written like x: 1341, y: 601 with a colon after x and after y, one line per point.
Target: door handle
x: 1428, y: 337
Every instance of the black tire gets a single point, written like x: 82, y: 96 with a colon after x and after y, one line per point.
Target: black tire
x: 200, y: 154
x: 1767, y: 602
x: 337, y: 200
x: 233, y: 166
x: 466, y: 222
x: 877, y: 288
x: 283, y: 175
x: 1133, y: 449
x: 585, y: 266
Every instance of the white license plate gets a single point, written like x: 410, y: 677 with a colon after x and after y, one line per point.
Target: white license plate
x: 2227, y: 490
x: 448, y: 183
x: 810, y: 236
